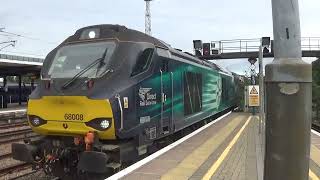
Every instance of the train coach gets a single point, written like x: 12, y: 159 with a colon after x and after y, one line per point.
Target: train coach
x: 10, y: 94
x: 108, y: 94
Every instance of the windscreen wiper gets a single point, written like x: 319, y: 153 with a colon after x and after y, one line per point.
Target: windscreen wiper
x: 95, y: 62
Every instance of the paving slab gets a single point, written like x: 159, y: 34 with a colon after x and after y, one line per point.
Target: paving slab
x: 237, y: 158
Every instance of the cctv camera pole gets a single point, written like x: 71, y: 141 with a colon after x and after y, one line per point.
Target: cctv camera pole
x: 288, y: 90
x: 253, y: 82
x: 261, y: 87
x: 252, y: 61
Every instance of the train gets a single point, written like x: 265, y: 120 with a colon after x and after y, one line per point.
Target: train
x: 10, y: 94
x: 108, y: 95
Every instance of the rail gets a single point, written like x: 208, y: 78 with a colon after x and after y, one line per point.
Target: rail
x: 316, y: 127
x: 18, y: 137
x: 5, y: 135
x: 15, y: 167
x: 310, y: 43
x: 252, y: 45
x: 13, y: 125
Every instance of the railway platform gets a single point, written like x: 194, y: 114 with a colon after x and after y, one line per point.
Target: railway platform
x: 12, y: 114
x: 230, y: 147
x: 13, y: 108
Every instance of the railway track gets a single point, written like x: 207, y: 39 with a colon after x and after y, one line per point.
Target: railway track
x: 13, y: 125
x: 316, y: 127
x: 14, y: 137
x: 24, y: 175
x: 13, y: 168
x: 5, y: 156
x: 12, y: 116
x: 14, y: 133
x: 17, y: 169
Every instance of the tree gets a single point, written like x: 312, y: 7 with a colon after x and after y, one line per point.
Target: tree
x: 316, y: 90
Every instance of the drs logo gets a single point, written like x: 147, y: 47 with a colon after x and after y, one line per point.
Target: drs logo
x: 75, y: 117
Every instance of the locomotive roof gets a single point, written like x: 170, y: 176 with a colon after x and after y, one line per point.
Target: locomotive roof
x: 119, y: 32
x: 123, y: 33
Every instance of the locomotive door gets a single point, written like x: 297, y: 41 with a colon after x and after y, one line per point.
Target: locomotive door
x: 166, y: 78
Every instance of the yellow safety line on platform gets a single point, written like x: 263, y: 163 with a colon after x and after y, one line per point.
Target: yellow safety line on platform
x: 193, y: 161
x: 216, y: 165
x: 315, y: 154
x: 313, y: 176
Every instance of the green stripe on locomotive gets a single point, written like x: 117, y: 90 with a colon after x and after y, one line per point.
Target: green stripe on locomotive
x: 214, y: 97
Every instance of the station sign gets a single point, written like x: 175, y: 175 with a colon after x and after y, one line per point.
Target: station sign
x: 254, y: 99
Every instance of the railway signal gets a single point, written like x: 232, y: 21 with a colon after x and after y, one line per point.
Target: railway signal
x: 206, y: 49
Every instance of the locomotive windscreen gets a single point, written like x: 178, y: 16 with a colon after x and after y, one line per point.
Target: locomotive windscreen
x: 71, y: 59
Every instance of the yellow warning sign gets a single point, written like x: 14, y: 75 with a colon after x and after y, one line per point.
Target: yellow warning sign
x: 254, y: 99
x: 254, y: 91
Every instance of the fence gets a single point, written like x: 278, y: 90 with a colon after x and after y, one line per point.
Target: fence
x: 252, y: 45
x: 11, y: 99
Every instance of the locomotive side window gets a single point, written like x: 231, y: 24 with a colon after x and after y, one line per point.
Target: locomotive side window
x: 225, y: 90
x: 165, y: 66
x: 192, y: 93
x: 143, y: 61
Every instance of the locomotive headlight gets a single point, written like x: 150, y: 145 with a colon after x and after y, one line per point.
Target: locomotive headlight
x: 104, y: 124
x: 90, y: 33
x: 36, y: 121
x: 100, y: 124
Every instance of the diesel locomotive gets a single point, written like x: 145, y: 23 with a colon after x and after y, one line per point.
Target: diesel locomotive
x: 108, y: 94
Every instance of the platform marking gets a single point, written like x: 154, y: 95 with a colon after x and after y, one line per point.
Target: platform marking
x: 140, y: 163
x: 315, y: 154
x: 190, y: 164
x: 313, y: 176
x: 219, y: 161
x: 315, y: 132
x: 9, y: 111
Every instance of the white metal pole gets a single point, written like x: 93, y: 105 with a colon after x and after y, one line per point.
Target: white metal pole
x: 261, y: 86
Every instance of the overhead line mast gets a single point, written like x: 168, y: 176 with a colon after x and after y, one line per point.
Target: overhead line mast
x: 148, y: 18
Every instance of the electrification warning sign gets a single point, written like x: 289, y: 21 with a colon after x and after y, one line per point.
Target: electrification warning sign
x: 254, y: 99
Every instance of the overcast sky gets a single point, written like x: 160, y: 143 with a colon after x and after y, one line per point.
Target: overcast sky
x: 177, y: 22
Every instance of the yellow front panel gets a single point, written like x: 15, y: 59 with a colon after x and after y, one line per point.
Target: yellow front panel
x: 54, y: 108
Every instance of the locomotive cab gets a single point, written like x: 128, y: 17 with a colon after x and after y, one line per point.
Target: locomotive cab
x: 81, y: 81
